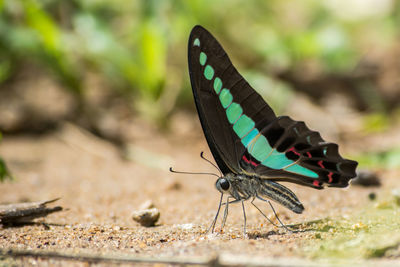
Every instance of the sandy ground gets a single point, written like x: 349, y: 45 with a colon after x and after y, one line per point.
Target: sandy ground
x: 99, y: 190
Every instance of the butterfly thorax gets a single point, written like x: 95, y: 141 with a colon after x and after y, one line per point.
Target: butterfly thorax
x: 243, y: 187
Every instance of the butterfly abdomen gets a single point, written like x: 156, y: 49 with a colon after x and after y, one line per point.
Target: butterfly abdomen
x: 245, y: 186
x: 280, y: 194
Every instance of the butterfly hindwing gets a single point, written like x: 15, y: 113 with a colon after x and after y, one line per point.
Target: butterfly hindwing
x: 309, y: 160
x: 242, y: 131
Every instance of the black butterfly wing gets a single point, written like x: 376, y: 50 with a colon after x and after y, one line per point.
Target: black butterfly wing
x: 224, y: 144
x: 242, y: 131
x: 300, y: 156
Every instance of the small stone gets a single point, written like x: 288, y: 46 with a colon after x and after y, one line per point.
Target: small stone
x: 146, y: 217
x: 116, y: 228
x: 372, y: 196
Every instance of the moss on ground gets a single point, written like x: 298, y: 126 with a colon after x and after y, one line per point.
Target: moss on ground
x: 372, y: 232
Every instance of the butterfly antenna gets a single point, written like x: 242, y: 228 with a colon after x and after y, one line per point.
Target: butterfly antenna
x: 205, y: 173
x: 209, y: 161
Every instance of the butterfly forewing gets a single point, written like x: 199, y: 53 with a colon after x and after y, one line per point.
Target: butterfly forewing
x: 242, y: 131
x: 217, y: 86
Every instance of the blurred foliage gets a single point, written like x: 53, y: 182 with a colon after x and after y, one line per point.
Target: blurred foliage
x: 139, y: 47
x: 376, y: 122
x: 389, y: 159
x: 4, y: 172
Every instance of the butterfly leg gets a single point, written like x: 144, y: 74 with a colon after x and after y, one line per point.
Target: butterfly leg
x: 226, y: 209
x: 234, y: 201
x: 271, y: 222
x: 245, y: 219
x: 225, y: 212
x: 276, y: 215
x: 212, y: 226
x: 279, y: 220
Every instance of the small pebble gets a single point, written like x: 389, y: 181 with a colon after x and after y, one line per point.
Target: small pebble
x: 146, y: 217
x: 372, y: 196
x: 116, y: 228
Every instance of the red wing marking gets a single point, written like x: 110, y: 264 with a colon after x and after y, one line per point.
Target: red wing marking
x: 294, y: 151
x: 330, y: 177
x: 309, y: 154
x: 317, y: 183
x: 249, y: 161
x: 320, y: 164
x: 245, y: 159
x: 253, y: 163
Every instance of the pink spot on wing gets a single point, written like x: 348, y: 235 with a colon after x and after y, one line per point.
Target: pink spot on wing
x: 294, y: 151
x: 249, y: 161
x: 320, y: 164
x: 309, y: 154
x: 253, y: 163
x: 316, y: 183
x: 330, y: 177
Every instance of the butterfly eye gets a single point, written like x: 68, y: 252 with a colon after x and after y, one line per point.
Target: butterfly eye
x: 224, y: 184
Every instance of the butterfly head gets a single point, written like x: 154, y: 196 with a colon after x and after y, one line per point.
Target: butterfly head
x: 223, y: 185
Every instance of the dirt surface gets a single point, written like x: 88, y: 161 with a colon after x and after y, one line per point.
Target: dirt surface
x: 99, y: 191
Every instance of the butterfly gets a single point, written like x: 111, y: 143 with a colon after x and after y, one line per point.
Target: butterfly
x: 253, y: 148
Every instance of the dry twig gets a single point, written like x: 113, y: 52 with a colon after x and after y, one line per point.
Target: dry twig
x: 93, y: 258
x: 26, y: 212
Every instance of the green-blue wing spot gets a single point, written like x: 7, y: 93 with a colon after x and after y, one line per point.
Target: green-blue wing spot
x: 217, y: 85
x: 277, y: 160
x: 248, y: 138
x: 233, y: 112
x: 301, y: 170
x: 209, y: 72
x: 203, y: 58
x: 196, y: 42
x: 243, y: 125
x: 259, y: 148
x: 225, y: 97
x: 338, y: 166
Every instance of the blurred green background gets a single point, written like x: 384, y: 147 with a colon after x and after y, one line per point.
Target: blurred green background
x: 136, y: 52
